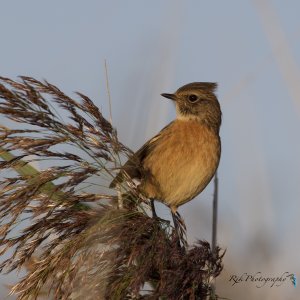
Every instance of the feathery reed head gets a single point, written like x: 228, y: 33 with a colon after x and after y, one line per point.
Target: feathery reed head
x: 79, y: 244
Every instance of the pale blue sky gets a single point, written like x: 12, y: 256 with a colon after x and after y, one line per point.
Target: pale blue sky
x: 157, y: 46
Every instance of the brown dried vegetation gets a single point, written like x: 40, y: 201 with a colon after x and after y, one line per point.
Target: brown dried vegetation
x: 79, y: 244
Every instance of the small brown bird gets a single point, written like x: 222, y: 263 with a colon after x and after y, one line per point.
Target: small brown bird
x: 179, y: 162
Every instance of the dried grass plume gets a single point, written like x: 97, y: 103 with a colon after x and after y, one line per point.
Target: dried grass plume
x: 78, y: 244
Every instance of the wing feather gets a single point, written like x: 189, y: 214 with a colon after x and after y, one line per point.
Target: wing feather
x: 134, y: 166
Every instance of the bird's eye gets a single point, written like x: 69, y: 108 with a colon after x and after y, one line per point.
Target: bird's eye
x: 193, y: 98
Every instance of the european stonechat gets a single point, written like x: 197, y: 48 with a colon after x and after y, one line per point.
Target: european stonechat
x: 178, y: 163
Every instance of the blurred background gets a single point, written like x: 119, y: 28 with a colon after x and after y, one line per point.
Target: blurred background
x: 251, y: 48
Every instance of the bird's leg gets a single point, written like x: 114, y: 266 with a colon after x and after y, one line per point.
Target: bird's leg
x: 175, y: 223
x: 154, y: 214
x: 180, y: 228
x: 176, y: 229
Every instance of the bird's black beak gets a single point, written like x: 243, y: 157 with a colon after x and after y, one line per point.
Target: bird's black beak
x: 169, y: 96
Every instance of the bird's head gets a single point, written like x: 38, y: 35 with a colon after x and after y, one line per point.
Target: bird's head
x: 197, y: 101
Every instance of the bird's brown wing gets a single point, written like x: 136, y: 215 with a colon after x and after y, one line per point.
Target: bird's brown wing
x: 134, y: 166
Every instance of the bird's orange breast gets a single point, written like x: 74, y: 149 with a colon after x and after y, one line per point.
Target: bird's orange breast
x: 182, y: 162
